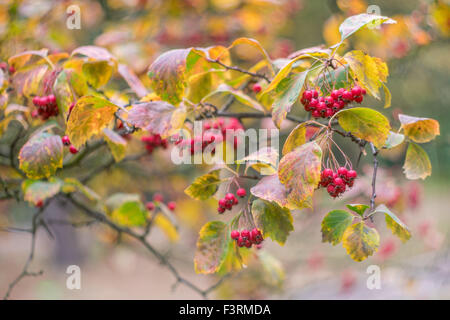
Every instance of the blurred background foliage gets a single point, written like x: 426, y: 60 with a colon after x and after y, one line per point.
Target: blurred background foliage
x: 137, y: 31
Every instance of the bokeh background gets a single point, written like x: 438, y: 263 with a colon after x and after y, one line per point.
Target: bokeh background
x: 136, y: 31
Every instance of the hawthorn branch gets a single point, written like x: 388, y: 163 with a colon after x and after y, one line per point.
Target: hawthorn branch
x: 141, y: 238
x: 234, y: 68
x: 374, y: 176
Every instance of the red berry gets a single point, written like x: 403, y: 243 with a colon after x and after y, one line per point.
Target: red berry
x: 327, y: 173
x: 245, y: 234
x: 11, y: 69
x: 342, y: 172
x: 34, y: 114
x: 72, y: 149
x: 150, y: 206
x: 329, y: 112
x: 307, y: 95
x: 329, y: 101
x: 171, y: 205
x: 52, y: 99
x: 229, y: 197
x: 351, y: 174
x: 330, y: 189
x: 39, y: 204
x: 221, y: 209
x: 241, y: 192
x: 313, y: 103
x: 248, y: 244
x: 65, y: 140
x: 256, y: 88
x: 356, y: 91
x: 347, y: 95
x: 315, y: 94
x: 35, y: 100
x: 222, y: 203
x: 341, y: 104
x: 338, y: 181
x: 358, y: 99
x: 240, y: 242
x: 44, y: 101
x: 235, y: 201
x: 335, y: 94
x: 363, y: 92
x: 234, y: 234
x: 316, y: 114
x: 158, y: 197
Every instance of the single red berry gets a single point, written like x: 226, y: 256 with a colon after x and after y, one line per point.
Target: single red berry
x: 72, y: 149
x: 315, y: 93
x: 304, y: 101
x: 307, y: 95
x: 256, y: 88
x: 229, y: 205
x: 248, y: 244
x: 52, y: 99
x: 358, y: 99
x: 335, y: 94
x: 338, y: 181
x: 150, y: 206
x: 342, y: 172
x: 330, y: 189
x: 11, y: 69
x: 234, y: 234
x: 329, y: 100
x: 241, y: 192
x: 341, y: 104
x: 221, y: 209
x: 356, y: 91
x: 363, y: 92
x: 158, y: 197
x: 65, y: 140
x: 245, y: 234
x: 329, y: 112
x: 235, y: 201
x: 347, y: 95
x: 327, y: 173
x: 351, y: 174
x: 171, y: 205
x: 240, y: 242
x: 44, y: 101
x: 222, y: 203
x: 229, y: 197
x: 335, y: 107
x: 313, y: 103
x: 39, y: 204
x: 316, y: 114
x: 35, y: 100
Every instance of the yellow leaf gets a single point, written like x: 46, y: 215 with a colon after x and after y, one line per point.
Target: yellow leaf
x: 419, y: 130
x: 88, y: 118
x: 116, y: 144
x: 166, y: 226
x: 360, y: 241
x: 417, y: 164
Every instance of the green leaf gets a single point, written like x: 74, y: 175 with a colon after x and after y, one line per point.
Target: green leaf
x: 41, y: 156
x: 213, y: 245
x: 286, y: 93
x: 360, y: 241
x: 334, y: 225
x: 116, y: 143
x: 127, y: 209
x: 357, y: 22
x: 393, y: 140
x: 366, y: 124
x: 299, y: 171
x: 358, y: 208
x: 88, y: 118
x: 417, y: 164
x: 167, y: 75
x: 397, y: 227
x: 265, y: 160
x: 274, y: 221
x: 204, y: 186
x: 36, y: 191
x: 419, y: 130
x: 270, y: 188
x: 158, y: 117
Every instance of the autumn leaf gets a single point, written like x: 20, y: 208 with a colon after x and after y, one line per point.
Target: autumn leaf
x: 360, y: 241
x: 270, y: 188
x: 394, y: 139
x: 167, y: 76
x: 116, y: 143
x: 274, y: 221
x: 285, y: 95
x: 393, y: 222
x: 98, y: 73
x: 158, y: 117
x: 366, y: 124
x: 370, y: 72
x: 88, y: 118
x: 354, y: 23
x: 299, y: 171
x: 296, y: 138
x: 41, y: 156
x: 204, y: 186
x: 68, y: 86
x: 387, y: 96
x: 36, y: 191
x: 126, y: 209
x: 166, y: 225
x: 264, y: 160
x: 358, y: 208
x: 419, y: 130
x: 417, y: 164
x: 334, y: 225
x: 213, y: 245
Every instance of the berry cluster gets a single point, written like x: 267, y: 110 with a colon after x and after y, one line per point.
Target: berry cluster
x: 154, y: 141
x: 327, y: 106
x: 46, y: 106
x: 247, y: 238
x: 66, y: 141
x: 227, y: 202
x: 213, y: 131
x: 336, y: 182
x: 157, y: 197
